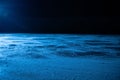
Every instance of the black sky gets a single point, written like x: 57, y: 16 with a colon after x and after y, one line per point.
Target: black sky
x: 62, y: 16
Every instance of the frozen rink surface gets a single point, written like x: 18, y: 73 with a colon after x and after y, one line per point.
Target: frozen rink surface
x: 59, y: 57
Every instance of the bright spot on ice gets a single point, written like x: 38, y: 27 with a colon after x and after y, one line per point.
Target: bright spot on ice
x: 4, y: 41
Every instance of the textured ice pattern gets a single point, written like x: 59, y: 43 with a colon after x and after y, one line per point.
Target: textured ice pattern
x: 59, y: 57
x: 39, y: 46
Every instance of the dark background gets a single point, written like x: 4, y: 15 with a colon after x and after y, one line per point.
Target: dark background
x: 61, y: 16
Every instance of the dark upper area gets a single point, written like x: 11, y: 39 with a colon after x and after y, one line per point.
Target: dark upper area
x: 60, y: 16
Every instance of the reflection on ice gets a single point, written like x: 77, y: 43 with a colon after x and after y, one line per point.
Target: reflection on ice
x: 59, y: 57
x: 59, y: 44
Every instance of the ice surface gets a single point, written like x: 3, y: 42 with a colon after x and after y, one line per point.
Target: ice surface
x: 59, y: 57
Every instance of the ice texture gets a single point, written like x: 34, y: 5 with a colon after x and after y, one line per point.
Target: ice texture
x: 59, y: 57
